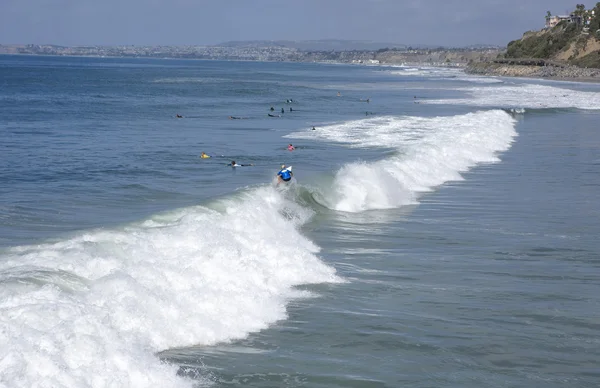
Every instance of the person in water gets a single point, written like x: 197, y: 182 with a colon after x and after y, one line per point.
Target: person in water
x: 234, y: 164
x: 284, y: 175
x: 291, y: 147
x: 282, y: 110
x: 272, y: 109
x: 204, y: 156
x: 179, y: 116
x: 314, y: 129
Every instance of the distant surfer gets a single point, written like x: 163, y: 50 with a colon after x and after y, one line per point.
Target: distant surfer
x: 290, y: 147
x: 272, y: 109
x: 282, y: 110
x: 234, y: 118
x: 291, y: 110
x: 314, y: 129
x: 179, y: 116
x: 204, y: 156
x: 234, y: 164
x: 272, y: 115
x: 285, y: 174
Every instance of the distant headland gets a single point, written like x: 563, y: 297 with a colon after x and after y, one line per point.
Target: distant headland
x: 568, y: 47
x: 328, y: 51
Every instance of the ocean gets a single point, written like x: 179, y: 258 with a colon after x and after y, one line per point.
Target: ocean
x: 442, y: 229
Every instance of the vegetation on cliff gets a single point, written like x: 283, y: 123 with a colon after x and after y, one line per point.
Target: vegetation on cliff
x: 575, y: 41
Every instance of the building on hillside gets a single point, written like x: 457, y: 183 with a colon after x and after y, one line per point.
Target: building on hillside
x: 552, y: 21
x: 577, y: 19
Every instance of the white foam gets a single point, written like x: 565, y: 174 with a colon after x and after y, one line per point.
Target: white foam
x: 93, y: 310
x: 428, y: 152
x: 444, y: 73
x: 436, y: 72
x: 524, y: 96
x: 479, y: 79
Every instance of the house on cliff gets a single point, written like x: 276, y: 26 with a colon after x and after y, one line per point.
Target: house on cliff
x: 579, y: 18
x: 553, y: 20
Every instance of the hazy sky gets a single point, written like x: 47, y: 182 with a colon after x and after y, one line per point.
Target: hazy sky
x: 200, y: 22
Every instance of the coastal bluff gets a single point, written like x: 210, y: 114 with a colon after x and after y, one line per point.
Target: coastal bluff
x: 567, y: 47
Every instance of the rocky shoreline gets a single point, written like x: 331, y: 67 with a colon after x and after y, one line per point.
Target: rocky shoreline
x: 548, y: 71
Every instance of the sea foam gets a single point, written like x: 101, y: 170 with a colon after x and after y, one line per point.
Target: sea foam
x: 94, y: 309
x: 530, y: 96
x: 425, y: 152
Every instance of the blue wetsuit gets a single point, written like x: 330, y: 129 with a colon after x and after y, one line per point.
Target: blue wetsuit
x: 285, y: 174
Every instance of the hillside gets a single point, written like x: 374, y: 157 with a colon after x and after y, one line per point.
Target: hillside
x: 567, y: 43
x: 567, y: 48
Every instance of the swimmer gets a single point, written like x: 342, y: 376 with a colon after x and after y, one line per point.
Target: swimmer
x: 234, y: 164
x: 290, y: 147
x: 204, y: 156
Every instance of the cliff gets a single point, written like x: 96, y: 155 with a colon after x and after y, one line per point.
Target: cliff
x: 570, y: 49
x: 567, y: 42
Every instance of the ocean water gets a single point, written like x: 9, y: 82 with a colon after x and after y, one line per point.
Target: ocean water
x: 442, y: 234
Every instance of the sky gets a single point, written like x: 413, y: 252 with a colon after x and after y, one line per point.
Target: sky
x: 454, y: 23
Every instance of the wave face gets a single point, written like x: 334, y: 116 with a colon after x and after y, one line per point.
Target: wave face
x: 527, y: 96
x: 113, y: 298
x: 426, y: 152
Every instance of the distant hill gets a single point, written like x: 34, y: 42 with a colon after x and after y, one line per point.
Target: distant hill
x: 314, y: 45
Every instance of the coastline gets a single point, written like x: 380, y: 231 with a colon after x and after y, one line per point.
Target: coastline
x: 481, y: 68
x: 555, y: 73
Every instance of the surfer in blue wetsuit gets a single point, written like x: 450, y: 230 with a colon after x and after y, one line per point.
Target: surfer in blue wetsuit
x: 285, y: 174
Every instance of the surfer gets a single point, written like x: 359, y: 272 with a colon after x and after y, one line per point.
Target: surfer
x: 285, y: 174
x: 282, y: 110
x: 204, y: 156
x: 272, y: 109
x: 234, y: 118
x: 314, y: 129
x: 290, y: 147
x: 270, y: 115
x: 179, y: 116
x: 234, y: 164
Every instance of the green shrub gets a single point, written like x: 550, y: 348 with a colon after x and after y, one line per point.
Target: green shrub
x: 546, y: 45
x: 590, y: 60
